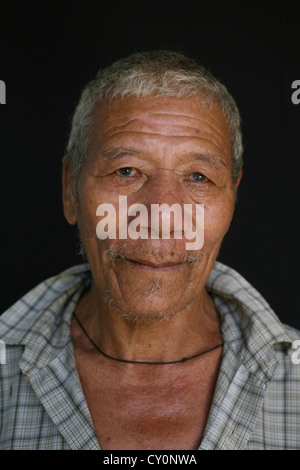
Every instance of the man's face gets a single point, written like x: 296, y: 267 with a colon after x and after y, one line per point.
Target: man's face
x: 154, y: 151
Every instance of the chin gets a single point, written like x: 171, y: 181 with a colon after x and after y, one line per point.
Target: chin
x: 148, y: 307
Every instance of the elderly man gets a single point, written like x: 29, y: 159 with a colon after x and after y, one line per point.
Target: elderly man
x: 152, y: 344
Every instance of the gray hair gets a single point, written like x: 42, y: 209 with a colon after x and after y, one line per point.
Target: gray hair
x: 159, y: 73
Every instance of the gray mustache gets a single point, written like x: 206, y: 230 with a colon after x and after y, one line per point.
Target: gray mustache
x: 123, y: 252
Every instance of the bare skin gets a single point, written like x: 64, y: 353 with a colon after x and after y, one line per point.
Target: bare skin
x: 147, y: 303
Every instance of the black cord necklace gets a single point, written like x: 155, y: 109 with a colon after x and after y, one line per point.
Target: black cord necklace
x: 142, y: 362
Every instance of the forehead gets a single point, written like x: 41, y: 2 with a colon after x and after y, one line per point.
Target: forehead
x: 169, y: 121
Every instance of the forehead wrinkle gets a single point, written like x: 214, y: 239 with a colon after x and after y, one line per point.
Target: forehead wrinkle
x: 199, y: 117
x: 177, y: 116
x: 115, y: 152
x: 155, y: 127
x: 144, y: 126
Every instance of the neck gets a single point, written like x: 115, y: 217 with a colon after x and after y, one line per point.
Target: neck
x: 193, y: 330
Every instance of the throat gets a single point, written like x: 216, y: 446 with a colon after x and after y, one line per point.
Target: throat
x: 127, y: 361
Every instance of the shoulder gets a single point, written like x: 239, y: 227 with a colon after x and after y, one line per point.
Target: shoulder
x: 46, y: 300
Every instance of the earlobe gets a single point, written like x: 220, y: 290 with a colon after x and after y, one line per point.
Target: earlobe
x: 67, y: 192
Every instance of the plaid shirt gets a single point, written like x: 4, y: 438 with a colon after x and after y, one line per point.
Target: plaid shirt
x: 256, y: 404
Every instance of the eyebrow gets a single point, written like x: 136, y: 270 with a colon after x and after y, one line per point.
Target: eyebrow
x: 213, y: 160
x: 112, y: 153
x: 115, y: 152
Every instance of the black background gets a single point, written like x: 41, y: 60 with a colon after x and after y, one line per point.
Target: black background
x: 48, y: 52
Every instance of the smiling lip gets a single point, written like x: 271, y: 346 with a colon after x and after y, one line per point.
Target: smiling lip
x: 156, y: 267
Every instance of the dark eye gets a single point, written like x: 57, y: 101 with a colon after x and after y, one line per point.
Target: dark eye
x: 126, y: 171
x: 198, y: 177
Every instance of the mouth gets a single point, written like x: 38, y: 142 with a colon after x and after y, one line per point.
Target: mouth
x: 155, y: 267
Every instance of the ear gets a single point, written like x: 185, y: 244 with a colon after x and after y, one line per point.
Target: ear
x: 67, y: 192
x: 238, y: 179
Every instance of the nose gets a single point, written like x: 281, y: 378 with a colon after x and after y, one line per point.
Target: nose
x: 164, y: 199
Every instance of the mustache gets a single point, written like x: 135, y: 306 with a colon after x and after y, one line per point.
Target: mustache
x: 124, y: 251
x: 117, y: 252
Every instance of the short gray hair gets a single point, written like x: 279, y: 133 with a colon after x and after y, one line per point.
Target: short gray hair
x: 159, y: 73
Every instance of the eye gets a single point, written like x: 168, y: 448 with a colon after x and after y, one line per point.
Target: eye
x: 126, y: 171
x: 198, y: 177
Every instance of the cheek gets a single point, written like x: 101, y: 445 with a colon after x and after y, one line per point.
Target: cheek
x: 87, y: 220
x: 217, y: 221
x: 91, y: 197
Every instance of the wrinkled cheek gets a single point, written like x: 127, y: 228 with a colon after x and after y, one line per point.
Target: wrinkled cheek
x: 94, y: 248
x: 86, y: 227
x: 216, y: 225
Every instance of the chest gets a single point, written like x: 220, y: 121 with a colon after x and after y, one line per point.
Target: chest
x: 149, y: 410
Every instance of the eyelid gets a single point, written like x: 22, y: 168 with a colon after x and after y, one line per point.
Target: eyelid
x: 205, y: 178
x: 127, y: 167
